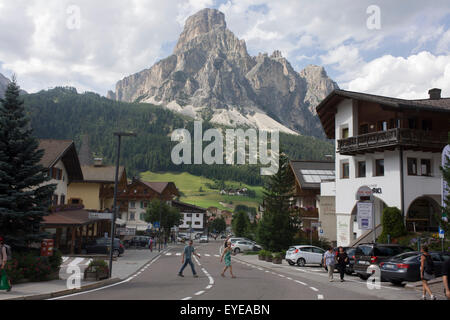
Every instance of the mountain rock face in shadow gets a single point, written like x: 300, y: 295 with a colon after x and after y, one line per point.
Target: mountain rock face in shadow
x: 211, y: 76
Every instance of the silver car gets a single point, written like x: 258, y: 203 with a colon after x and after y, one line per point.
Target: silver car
x: 244, y: 245
x: 304, y: 254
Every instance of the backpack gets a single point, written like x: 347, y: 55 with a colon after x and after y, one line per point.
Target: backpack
x: 8, y: 252
x: 429, y: 264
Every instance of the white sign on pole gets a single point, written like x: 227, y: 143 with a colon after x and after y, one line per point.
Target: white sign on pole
x: 441, y: 233
x: 364, y: 215
x: 100, y: 215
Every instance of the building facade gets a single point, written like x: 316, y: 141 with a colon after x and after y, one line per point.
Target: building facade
x: 392, y: 146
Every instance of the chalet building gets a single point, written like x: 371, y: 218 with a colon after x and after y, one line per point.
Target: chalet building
x: 391, y: 145
x: 134, y: 198
x: 96, y: 189
x: 194, y: 218
x: 308, y: 176
x: 61, y: 160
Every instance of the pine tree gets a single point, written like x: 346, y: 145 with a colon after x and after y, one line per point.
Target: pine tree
x: 446, y: 209
x: 277, y: 227
x: 23, y: 200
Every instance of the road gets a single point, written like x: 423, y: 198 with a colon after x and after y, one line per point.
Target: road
x: 256, y: 280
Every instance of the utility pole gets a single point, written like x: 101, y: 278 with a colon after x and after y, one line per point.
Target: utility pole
x: 116, y: 209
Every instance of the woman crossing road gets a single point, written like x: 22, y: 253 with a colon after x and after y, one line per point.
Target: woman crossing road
x: 226, y: 255
x: 342, y: 261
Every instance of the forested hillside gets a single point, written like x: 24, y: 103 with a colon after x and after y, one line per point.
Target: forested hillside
x: 62, y: 113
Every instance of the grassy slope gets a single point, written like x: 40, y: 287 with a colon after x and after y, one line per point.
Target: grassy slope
x: 189, y: 185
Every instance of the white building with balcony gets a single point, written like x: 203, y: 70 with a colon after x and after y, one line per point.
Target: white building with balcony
x: 391, y: 145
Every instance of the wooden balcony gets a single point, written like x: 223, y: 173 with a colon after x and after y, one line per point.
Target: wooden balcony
x: 380, y: 141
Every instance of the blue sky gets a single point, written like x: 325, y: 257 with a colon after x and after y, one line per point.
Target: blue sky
x: 408, y: 54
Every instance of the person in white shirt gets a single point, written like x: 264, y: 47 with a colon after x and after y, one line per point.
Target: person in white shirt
x: 329, y: 261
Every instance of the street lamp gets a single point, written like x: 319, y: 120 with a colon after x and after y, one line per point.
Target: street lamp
x: 114, y: 213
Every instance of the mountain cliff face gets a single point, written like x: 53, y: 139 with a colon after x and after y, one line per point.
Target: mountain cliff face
x: 3, y: 85
x: 210, y: 75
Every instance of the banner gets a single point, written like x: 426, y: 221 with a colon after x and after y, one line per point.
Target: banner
x: 364, y: 215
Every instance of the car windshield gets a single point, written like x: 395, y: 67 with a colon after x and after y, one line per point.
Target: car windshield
x: 350, y: 251
x: 363, y: 250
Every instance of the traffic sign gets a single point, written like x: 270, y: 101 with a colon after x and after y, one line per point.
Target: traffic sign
x: 100, y: 215
x: 156, y: 225
x: 364, y: 193
x: 441, y: 233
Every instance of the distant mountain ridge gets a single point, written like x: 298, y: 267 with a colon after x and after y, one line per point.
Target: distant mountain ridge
x: 211, y: 76
x: 4, y: 82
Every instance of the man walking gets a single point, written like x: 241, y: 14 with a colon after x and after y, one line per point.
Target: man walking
x: 446, y: 278
x: 329, y: 261
x: 189, y: 250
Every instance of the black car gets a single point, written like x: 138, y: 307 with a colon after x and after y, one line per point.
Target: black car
x: 102, y: 246
x: 351, y: 257
x: 406, y: 266
x: 373, y: 254
x: 140, y: 242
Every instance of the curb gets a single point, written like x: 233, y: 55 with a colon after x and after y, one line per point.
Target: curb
x: 87, y: 287
x: 67, y: 291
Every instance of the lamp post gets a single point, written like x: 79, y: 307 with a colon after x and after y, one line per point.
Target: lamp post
x: 114, y: 213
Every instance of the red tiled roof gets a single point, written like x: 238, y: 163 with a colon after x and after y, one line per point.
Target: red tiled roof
x: 157, y: 186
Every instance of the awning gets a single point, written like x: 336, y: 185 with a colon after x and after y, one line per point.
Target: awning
x: 68, y: 218
x: 120, y: 222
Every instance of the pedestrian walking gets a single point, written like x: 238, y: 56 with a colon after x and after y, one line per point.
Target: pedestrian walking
x: 225, y: 244
x: 226, y: 254
x: 446, y: 278
x: 151, y: 244
x: 426, y: 273
x: 342, y: 261
x: 5, y: 283
x: 329, y: 262
x: 186, y: 259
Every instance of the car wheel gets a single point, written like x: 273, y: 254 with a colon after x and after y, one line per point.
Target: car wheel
x: 237, y: 250
x: 290, y: 263
x: 363, y: 277
x: 116, y: 253
x: 301, y: 262
x: 396, y: 282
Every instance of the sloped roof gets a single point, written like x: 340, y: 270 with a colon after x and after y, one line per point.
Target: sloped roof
x: 67, y: 218
x: 309, y: 174
x: 101, y: 173
x: 64, y: 150
x: 188, y: 206
x: 157, y: 186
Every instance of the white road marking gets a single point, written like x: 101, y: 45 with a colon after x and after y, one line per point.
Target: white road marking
x: 65, y: 259
x: 320, y: 296
x: 199, y: 293
x: 267, y: 271
x: 216, y: 255
x: 187, y: 298
x: 168, y: 254
x: 178, y: 254
x: 260, y: 269
x: 76, y: 261
x: 301, y: 282
x: 208, y: 286
x: 289, y: 278
x: 314, y: 289
x: 207, y: 255
x: 282, y: 276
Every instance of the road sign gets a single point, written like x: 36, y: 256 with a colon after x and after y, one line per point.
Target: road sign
x: 316, y: 224
x: 441, y: 233
x: 100, y: 215
x: 156, y: 225
x: 126, y: 231
x: 321, y: 231
x: 364, y: 193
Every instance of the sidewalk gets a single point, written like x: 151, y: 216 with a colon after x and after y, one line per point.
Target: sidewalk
x: 125, y: 266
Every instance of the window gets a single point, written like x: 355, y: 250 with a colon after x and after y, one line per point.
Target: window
x: 317, y: 250
x: 197, y: 215
x: 142, y: 204
x: 412, y: 123
x: 363, y: 129
x: 425, y: 165
x: 62, y: 199
x: 426, y: 125
x: 345, y: 170
x: 197, y: 223
x: 361, y: 169
x: 412, y: 166
x: 394, y: 123
x: 344, y: 133
x: 55, y: 200
x: 142, y: 216
x: 132, y: 204
x: 189, y: 222
x: 189, y: 215
x: 382, y: 125
x: 306, y: 249
x: 379, y: 167
x: 132, y: 216
x: 75, y: 201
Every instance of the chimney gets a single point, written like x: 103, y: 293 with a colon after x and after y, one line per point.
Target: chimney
x: 435, y: 94
x: 98, y: 162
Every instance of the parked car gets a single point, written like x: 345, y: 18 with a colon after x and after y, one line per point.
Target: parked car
x: 373, y: 254
x: 244, y: 245
x: 102, y: 245
x: 351, y: 257
x: 406, y: 266
x: 203, y: 239
x: 304, y: 254
x: 139, y: 241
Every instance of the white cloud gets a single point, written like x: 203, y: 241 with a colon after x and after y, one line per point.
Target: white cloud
x: 408, y: 78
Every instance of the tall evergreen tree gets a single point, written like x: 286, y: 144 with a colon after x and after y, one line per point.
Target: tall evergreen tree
x: 276, y: 229
x: 446, y: 209
x: 23, y: 200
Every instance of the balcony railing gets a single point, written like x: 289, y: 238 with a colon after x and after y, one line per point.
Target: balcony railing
x: 408, y: 138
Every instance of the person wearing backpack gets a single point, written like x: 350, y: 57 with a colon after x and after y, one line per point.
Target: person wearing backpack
x: 426, y: 273
x: 5, y: 255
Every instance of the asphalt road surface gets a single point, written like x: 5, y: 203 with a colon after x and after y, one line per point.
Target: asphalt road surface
x: 254, y: 280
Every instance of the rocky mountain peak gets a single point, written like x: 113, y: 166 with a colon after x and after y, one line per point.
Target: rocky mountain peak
x: 202, y: 22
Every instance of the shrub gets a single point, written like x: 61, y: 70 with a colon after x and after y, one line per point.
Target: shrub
x: 98, y: 265
x: 392, y: 223
x: 26, y: 265
x: 262, y: 253
x: 55, y: 260
x: 277, y: 255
